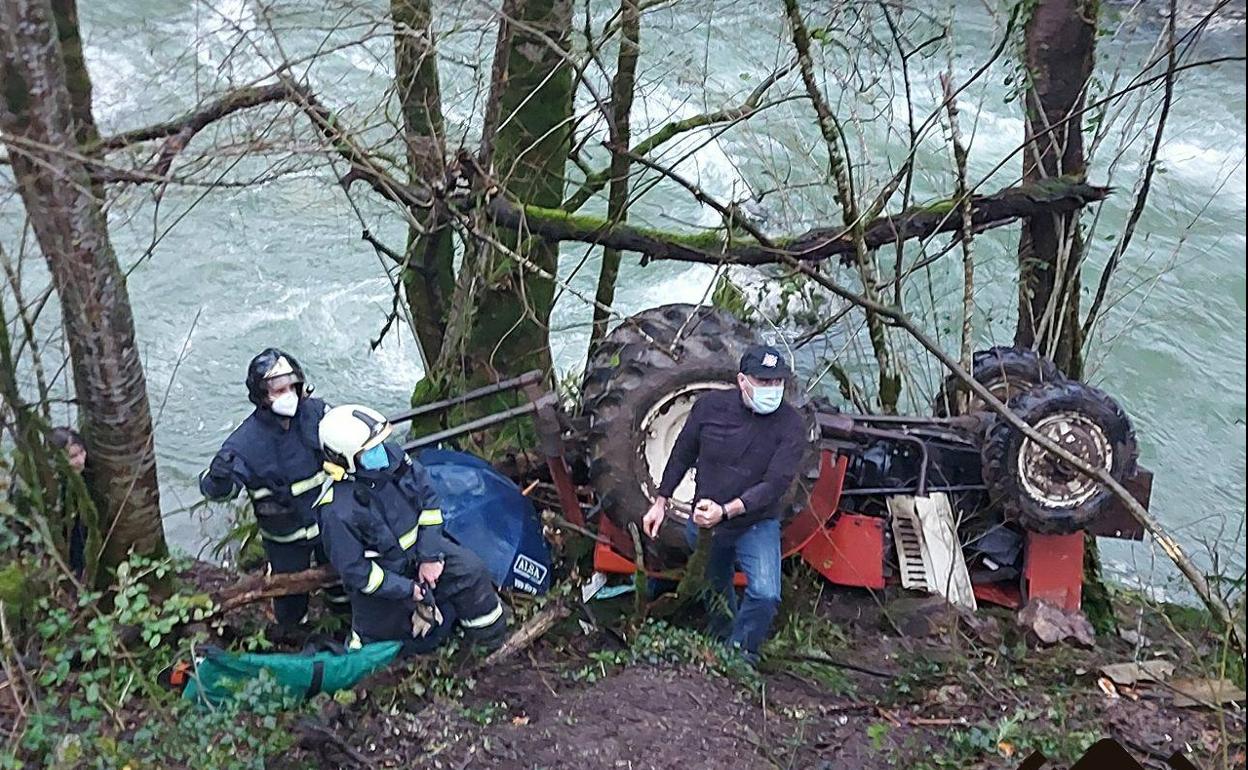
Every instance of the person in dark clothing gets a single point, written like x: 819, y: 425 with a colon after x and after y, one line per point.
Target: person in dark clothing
x: 381, y: 524
x: 746, y: 444
x: 75, y: 448
x: 275, y: 456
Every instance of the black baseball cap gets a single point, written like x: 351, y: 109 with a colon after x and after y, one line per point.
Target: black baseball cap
x: 766, y: 363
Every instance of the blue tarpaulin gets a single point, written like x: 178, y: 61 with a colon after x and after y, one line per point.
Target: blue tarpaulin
x: 489, y: 515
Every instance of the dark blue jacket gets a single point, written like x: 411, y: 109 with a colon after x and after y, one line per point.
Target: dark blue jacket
x: 280, y: 466
x: 377, y: 527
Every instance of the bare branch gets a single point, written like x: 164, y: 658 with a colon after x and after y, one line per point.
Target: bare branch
x: 1141, y: 197
x: 595, y: 182
x: 186, y: 126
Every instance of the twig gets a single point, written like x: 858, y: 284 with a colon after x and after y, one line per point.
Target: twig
x: 1141, y: 197
x: 314, y: 734
x: 824, y: 660
x: 8, y: 670
x: 594, y: 183
x: 526, y: 635
x: 639, y: 574
x: 966, y: 234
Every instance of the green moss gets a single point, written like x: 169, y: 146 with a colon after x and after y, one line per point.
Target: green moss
x: 18, y: 591
x: 586, y: 224
x: 939, y: 207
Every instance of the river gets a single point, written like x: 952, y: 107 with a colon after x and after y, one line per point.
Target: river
x: 280, y: 261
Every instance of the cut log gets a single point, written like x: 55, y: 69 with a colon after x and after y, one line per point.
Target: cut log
x: 524, y: 636
x: 260, y: 587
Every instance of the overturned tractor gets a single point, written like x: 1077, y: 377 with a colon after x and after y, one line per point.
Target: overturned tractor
x: 959, y: 503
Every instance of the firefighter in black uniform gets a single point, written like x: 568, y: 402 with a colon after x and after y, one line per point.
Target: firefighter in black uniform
x: 381, y: 526
x: 275, y: 456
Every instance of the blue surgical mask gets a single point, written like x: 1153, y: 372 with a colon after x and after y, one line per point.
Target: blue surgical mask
x: 374, y: 459
x: 766, y: 398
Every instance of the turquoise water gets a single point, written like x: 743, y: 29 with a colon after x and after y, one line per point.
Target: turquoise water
x: 280, y: 262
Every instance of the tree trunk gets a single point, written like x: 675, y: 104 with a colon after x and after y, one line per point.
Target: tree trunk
x: 1060, y: 39
x: 429, y: 277
x: 43, y: 120
x: 65, y: 13
x: 510, y: 330
x: 621, y: 136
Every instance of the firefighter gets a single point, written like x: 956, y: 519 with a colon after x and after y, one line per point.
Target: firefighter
x: 381, y: 525
x: 275, y: 456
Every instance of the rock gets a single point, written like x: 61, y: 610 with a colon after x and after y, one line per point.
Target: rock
x: 1051, y: 625
x: 1130, y: 674
x: 1206, y: 692
x: 921, y: 615
x: 984, y: 628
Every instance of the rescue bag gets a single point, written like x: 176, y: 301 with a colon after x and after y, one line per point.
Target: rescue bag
x: 219, y: 675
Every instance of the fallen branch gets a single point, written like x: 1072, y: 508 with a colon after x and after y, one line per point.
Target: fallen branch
x: 260, y: 587
x: 987, y: 211
x: 524, y: 636
x: 325, y: 742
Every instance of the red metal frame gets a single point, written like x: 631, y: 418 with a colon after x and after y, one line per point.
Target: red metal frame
x: 847, y: 548
x: 1053, y: 569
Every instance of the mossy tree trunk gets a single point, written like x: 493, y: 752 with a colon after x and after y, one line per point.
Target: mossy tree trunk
x: 1060, y: 52
x: 428, y: 279
x: 45, y: 109
x: 509, y: 333
x: 1060, y: 47
x: 498, y: 314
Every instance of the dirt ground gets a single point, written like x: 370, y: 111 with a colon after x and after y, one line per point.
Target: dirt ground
x: 936, y: 707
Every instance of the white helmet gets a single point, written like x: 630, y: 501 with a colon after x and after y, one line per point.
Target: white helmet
x: 347, y: 430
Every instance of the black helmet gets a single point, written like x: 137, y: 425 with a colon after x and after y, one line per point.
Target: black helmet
x: 271, y: 363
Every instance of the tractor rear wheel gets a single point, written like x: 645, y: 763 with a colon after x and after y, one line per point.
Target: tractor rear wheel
x: 1041, y: 492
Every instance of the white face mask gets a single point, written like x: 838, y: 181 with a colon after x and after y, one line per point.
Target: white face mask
x: 286, y: 404
x: 766, y: 398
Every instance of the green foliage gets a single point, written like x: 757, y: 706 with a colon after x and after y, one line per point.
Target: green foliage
x: 919, y: 675
x: 98, y: 659
x: 242, y: 539
x: 728, y: 296
x: 658, y: 643
x: 1015, y: 735
x: 877, y: 733
x: 438, y: 675
x: 241, y: 735
x: 485, y: 714
x: 802, y: 638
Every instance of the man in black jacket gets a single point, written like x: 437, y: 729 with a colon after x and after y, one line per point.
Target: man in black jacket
x: 275, y: 456
x: 746, y: 444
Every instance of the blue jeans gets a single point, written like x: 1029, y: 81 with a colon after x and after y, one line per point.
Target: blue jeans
x: 755, y: 550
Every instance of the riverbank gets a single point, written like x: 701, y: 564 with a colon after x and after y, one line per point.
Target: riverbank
x: 626, y: 693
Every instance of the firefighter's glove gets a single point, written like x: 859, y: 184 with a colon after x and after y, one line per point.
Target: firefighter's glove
x: 426, y: 616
